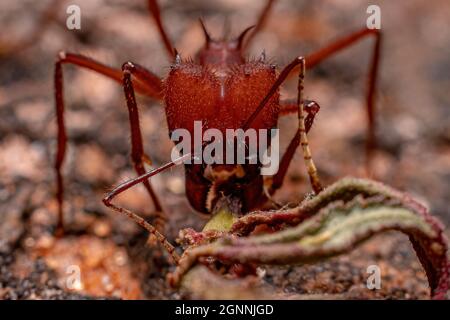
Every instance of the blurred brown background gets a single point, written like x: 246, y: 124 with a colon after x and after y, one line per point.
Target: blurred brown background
x: 413, y: 114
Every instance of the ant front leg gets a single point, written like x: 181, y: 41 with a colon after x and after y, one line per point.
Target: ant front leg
x: 146, y: 83
x: 302, y: 129
x: 322, y: 54
x: 304, y: 125
x: 137, y: 149
x: 311, y: 108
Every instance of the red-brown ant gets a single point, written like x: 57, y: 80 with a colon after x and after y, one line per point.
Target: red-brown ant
x: 224, y: 90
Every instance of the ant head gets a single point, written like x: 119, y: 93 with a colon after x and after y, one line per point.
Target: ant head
x: 222, y: 51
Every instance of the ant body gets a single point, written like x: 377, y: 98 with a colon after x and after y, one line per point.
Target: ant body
x: 224, y: 90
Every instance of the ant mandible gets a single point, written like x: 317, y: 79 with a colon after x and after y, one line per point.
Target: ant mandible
x: 225, y: 90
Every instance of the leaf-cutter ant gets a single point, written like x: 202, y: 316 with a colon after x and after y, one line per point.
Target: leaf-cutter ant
x: 224, y: 90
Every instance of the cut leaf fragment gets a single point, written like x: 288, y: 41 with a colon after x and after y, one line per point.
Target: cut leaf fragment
x: 334, y: 222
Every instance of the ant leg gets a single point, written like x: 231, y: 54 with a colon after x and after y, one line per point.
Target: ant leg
x: 137, y: 149
x: 275, y: 87
x: 139, y: 220
x: 46, y: 17
x: 260, y: 23
x: 311, y: 108
x: 156, y: 13
x: 299, y: 61
x: 309, y: 163
x: 149, y: 85
x: 288, y: 107
x: 322, y: 54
